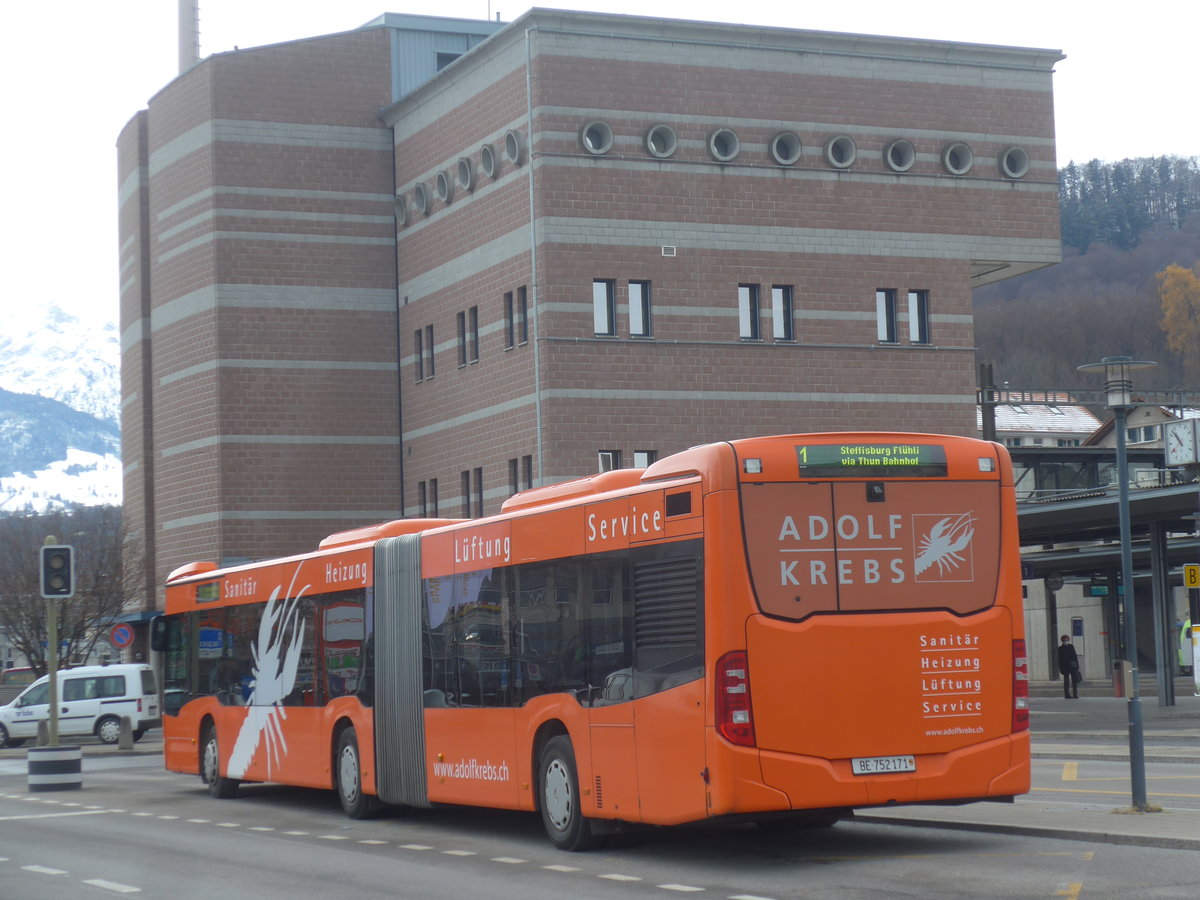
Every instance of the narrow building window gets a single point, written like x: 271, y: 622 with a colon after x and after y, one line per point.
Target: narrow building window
x: 418, y: 355
x: 509, y: 321
x: 428, y: 351
x: 422, y: 500
x: 465, y: 479
x: 522, y: 316
x: 748, y: 312
x: 514, y: 476
x: 473, y: 332
x: 477, y: 477
x: 639, y: 309
x: 433, y: 498
x: 918, y: 317
x: 609, y: 460
x: 643, y: 458
x: 781, y: 313
x: 462, y: 339
x: 604, y: 311
x: 527, y: 471
x: 885, y: 315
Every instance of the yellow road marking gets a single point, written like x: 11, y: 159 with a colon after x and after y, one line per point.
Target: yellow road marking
x: 1070, y: 771
x: 1071, y: 891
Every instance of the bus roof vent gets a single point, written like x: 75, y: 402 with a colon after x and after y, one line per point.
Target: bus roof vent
x: 580, y: 487
x: 192, y: 568
x: 395, y: 528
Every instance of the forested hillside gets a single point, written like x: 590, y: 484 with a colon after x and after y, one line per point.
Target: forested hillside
x: 1122, y: 223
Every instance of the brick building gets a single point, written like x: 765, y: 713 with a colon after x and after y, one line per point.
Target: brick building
x: 409, y: 269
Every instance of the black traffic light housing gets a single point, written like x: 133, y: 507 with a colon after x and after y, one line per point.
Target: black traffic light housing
x: 58, y: 571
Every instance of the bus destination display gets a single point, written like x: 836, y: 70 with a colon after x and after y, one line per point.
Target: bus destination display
x: 871, y: 460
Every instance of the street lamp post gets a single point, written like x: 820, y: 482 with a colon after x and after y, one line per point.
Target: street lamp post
x: 1118, y: 385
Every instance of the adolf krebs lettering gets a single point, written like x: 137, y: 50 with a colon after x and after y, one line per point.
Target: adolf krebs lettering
x: 813, y: 565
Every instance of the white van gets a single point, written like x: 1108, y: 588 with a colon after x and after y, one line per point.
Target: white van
x: 91, y: 700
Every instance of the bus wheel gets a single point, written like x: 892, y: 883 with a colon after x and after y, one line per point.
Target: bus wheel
x: 558, y: 786
x: 210, y: 768
x: 348, y: 768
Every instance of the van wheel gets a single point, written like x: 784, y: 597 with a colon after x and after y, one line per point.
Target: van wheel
x: 558, y: 797
x: 108, y: 730
x: 4, y: 736
x: 210, y: 768
x: 348, y: 772
x: 138, y: 734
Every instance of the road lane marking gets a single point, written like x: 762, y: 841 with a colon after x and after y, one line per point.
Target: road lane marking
x: 55, y: 815
x: 1072, y: 891
x: 509, y: 860
x: 114, y: 886
x: 558, y: 867
x: 618, y: 877
x: 1070, y: 771
x: 43, y: 870
x: 681, y: 888
x: 1109, y: 793
x: 415, y: 847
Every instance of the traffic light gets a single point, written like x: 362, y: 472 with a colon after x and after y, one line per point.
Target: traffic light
x: 58, y: 571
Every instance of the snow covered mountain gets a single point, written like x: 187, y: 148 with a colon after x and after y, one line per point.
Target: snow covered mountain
x: 59, y: 406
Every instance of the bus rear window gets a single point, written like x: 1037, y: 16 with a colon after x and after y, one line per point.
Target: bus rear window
x: 872, y: 546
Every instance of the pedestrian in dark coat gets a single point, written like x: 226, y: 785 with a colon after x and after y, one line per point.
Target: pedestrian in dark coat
x: 1068, y: 665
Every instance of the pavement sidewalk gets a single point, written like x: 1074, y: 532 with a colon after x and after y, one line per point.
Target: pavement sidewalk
x: 1091, y: 728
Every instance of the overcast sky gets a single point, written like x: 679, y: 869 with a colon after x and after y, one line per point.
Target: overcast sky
x: 74, y: 72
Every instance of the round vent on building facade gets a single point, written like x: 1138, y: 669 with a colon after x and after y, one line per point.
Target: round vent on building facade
x: 900, y: 155
x: 1014, y: 163
x: 596, y: 138
x: 786, y: 148
x: 487, y: 160
x: 723, y: 145
x: 514, y: 148
x: 400, y: 211
x: 661, y: 141
x: 957, y: 158
x: 840, y: 152
x: 421, y: 199
x: 466, y: 174
x: 444, y: 187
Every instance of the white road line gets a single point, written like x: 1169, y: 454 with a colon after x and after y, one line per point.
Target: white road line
x: 229, y: 824
x: 168, y: 818
x: 682, y: 888
x: 143, y: 814
x: 261, y: 828
x: 749, y: 897
x: 560, y: 868
x: 55, y: 815
x: 371, y: 841
x: 193, y: 821
x: 115, y: 887
x: 296, y: 833
x: 617, y: 877
x: 42, y: 870
x: 415, y: 847
x: 511, y: 860
x: 332, y: 837
x: 459, y: 852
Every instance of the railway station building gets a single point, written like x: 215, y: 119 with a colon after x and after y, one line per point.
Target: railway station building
x: 413, y: 268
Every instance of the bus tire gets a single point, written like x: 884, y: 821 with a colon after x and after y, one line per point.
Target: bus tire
x: 210, y: 767
x: 348, y: 778
x: 558, y: 797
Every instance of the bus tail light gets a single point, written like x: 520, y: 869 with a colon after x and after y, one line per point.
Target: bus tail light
x: 1020, y: 716
x: 734, y: 719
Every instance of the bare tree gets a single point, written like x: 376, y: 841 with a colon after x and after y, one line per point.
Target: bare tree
x: 95, y: 533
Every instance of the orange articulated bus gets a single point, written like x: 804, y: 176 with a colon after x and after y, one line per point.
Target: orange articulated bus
x: 779, y: 629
